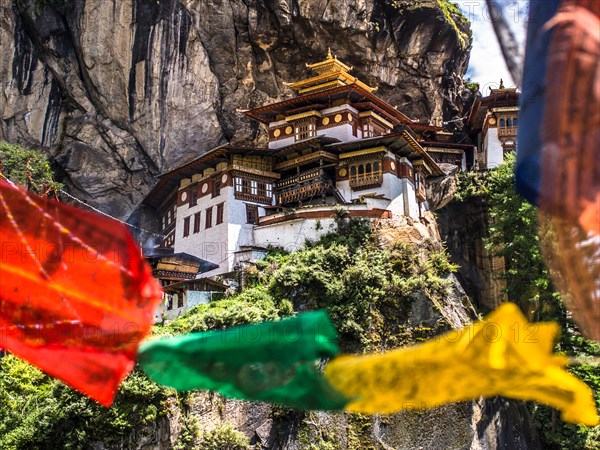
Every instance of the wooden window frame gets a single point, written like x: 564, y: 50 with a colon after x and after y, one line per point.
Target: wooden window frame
x: 208, y: 218
x: 193, y: 197
x: 216, y: 187
x: 367, y: 173
x: 186, y: 226
x: 251, y: 214
x: 220, y: 213
x: 197, y: 222
x: 305, y: 129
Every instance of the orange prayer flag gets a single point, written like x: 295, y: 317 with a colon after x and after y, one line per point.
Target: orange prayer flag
x: 76, y: 296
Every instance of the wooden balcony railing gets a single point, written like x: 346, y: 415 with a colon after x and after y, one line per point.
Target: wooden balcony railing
x: 366, y: 180
x: 303, y: 190
x: 304, y: 176
x: 256, y: 198
x: 507, y: 131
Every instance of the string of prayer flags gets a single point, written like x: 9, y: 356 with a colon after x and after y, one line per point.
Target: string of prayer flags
x: 270, y: 361
x: 76, y: 296
x: 503, y: 355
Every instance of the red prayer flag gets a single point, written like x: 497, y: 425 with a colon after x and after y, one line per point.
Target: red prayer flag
x: 76, y: 296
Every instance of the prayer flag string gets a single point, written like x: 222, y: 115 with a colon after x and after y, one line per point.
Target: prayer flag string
x: 502, y: 355
x: 270, y: 361
x: 76, y: 296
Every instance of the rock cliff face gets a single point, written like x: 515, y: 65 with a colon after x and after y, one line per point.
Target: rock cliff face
x: 116, y: 91
x: 464, y: 227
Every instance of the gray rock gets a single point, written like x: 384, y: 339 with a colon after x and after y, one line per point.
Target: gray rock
x: 116, y: 91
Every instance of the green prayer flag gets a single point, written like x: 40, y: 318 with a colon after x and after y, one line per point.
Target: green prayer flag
x: 270, y: 361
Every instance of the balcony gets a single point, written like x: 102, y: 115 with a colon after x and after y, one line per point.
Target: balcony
x: 364, y: 181
x: 260, y: 197
x: 302, y: 186
x: 300, y: 178
x: 507, y: 131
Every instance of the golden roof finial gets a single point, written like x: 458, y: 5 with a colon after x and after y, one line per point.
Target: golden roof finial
x: 501, y: 83
x: 329, y: 55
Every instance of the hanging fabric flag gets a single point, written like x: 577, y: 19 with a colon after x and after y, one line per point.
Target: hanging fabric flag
x: 76, y: 296
x: 270, y: 361
x: 558, y: 151
x: 503, y: 355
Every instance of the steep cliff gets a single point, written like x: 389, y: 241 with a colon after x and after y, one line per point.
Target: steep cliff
x: 116, y: 91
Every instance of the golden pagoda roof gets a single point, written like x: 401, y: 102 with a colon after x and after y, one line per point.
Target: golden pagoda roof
x: 331, y: 73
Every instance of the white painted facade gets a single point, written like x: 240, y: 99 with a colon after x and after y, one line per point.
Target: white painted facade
x: 492, y: 149
x: 218, y: 243
x: 343, y: 131
x: 292, y: 234
x: 169, y: 307
x: 224, y: 243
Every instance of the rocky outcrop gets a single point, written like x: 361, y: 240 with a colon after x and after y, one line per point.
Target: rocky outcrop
x: 116, y: 91
x: 441, y: 190
x: 477, y: 425
x: 464, y: 227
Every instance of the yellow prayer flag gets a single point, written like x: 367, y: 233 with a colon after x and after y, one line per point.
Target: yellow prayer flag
x: 502, y: 355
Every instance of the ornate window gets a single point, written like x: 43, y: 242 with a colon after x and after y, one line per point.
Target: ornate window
x: 305, y: 129
x: 252, y: 214
x: 364, y: 174
x: 253, y: 190
x: 169, y: 240
x: 507, y: 127
x: 420, y: 186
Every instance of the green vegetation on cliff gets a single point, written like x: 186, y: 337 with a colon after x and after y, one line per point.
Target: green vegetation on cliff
x: 368, y: 291
x: 27, y: 168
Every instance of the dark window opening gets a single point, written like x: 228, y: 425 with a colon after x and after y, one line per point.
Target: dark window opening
x: 220, y: 209
x: 216, y: 191
x: 252, y: 214
x: 186, y: 226
x: 193, y: 197
x: 197, y: 222
x: 208, y: 218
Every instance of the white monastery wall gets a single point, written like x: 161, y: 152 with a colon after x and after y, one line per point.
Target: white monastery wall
x: 340, y: 108
x: 492, y: 148
x: 292, y: 234
x: 282, y: 142
x: 343, y: 132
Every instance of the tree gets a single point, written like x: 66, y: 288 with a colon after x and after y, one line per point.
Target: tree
x: 27, y: 168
